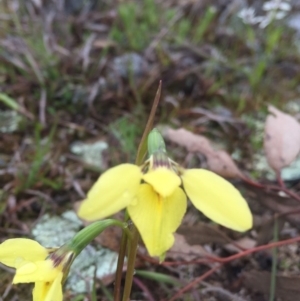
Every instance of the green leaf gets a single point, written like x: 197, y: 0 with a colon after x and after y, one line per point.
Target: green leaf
x: 10, y: 102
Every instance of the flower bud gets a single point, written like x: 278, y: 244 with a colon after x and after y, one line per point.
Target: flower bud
x: 156, y: 142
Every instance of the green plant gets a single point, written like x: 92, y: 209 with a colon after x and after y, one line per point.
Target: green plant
x: 264, y: 54
x: 137, y: 23
x: 182, y: 30
x: 203, y: 24
x: 127, y: 133
x: 38, y: 167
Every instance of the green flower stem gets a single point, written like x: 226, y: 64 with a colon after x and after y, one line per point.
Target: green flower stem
x: 120, y: 264
x: 86, y: 235
x: 132, y: 248
x: 131, y: 263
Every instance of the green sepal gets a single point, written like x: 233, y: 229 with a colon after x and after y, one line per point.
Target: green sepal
x: 87, y: 234
x: 156, y: 142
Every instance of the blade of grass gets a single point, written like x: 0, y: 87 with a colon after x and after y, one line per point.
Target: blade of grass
x: 159, y: 277
x: 10, y: 102
x: 106, y: 292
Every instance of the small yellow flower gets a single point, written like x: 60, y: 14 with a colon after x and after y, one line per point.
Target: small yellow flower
x: 155, y: 195
x: 34, y: 263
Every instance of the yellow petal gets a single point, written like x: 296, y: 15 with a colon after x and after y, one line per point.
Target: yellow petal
x: 114, y: 190
x: 157, y: 218
x: 48, y: 291
x: 41, y: 290
x: 14, y: 252
x: 217, y: 199
x: 55, y: 291
x: 36, y: 271
x: 163, y: 180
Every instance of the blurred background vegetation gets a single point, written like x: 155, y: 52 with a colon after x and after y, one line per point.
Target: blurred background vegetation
x: 78, y: 77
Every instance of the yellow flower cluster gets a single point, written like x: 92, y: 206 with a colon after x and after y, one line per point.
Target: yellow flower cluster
x: 34, y: 263
x: 155, y: 195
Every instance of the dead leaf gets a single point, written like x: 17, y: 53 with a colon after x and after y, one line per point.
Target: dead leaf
x: 287, y: 287
x: 203, y: 233
x: 221, y: 163
x: 266, y: 231
x: 282, y: 139
x: 218, y: 161
x: 245, y: 243
x: 276, y: 203
x: 193, y: 143
x: 181, y: 249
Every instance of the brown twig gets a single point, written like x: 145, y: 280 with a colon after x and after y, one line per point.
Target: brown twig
x: 196, y: 281
x: 144, y: 288
x: 225, y: 260
x: 281, y: 187
x: 142, y: 150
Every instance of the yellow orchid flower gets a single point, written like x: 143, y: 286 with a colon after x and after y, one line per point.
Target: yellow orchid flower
x: 34, y: 263
x: 155, y: 195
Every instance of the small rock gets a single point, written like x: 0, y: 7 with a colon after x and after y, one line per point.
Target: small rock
x: 91, y: 153
x: 129, y: 64
x: 9, y: 121
x: 54, y: 231
x: 294, y: 22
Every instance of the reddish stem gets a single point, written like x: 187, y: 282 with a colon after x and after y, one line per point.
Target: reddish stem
x: 281, y: 186
x: 193, y: 283
x: 222, y: 261
x: 144, y: 288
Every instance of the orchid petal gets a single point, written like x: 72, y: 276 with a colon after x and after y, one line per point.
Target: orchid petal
x: 40, y: 290
x: 36, y: 271
x: 164, y: 181
x: 157, y: 218
x: 14, y: 252
x: 114, y: 190
x: 55, y: 291
x: 217, y: 199
x: 48, y: 291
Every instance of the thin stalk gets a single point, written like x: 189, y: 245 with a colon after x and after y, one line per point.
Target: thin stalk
x: 274, y: 263
x: 142, y: 149
x: 132, y: 246
x: 120, y: 264
x: 131, y: 264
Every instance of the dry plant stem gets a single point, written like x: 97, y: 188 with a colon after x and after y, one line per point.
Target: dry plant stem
x: 274, y: 262
x: 290, y: 212
x: 291, y: 194
x: 228, y: 295
x: 279, y: 179
x: 144, y: 288
x: 131, y: 264
x: 222, y: 261
x: 281, y: 187
x: 142, y: 150
x: 196, y: 281
x: 285, y: 189
x: 236, y: 256
x: 120, y: 264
